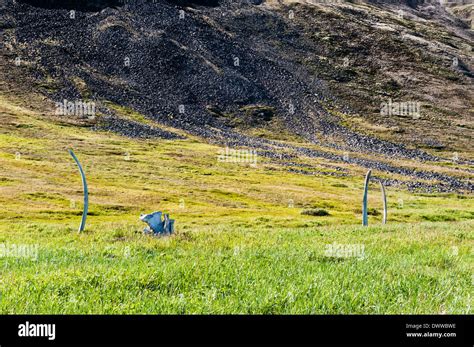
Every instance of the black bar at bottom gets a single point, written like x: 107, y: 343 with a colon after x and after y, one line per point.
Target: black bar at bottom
x: 446, y: 330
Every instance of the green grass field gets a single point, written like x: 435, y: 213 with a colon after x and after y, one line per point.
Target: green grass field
x: 241, y: 243
x: 226, y: 269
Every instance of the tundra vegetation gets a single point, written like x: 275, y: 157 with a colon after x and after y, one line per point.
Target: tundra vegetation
x: 264, y: 178
x: 241, y: 245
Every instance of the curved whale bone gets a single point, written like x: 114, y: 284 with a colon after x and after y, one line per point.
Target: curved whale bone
x: 365, y: 220
x: 86, y: 192
x: 384, y: 198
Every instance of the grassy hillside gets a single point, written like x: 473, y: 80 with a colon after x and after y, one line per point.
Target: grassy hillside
x: 241, y: 243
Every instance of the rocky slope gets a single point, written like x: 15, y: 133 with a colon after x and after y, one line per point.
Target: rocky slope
x: 318, y: 72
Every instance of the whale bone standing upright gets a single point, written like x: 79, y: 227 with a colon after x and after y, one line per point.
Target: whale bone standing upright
x: 86, y: 192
